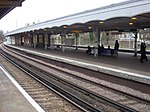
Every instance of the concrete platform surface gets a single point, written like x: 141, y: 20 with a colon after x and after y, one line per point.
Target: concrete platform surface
x: 12, y: 98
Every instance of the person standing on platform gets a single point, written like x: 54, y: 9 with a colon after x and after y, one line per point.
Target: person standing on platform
x: 116, y: 48
x: 143, y: 53
x: 108, y: 51
x: 99, y: 48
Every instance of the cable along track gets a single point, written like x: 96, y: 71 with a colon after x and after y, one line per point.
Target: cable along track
x: 94, y: 98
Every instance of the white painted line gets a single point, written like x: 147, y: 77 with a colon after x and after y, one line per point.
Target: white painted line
x: 25, y: 94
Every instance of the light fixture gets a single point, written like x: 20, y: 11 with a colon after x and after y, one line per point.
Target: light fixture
x: 90, y: 27
x: 134, y: 18
x: 101, y: 22
x: 130, y: 23
x: 65, y: 26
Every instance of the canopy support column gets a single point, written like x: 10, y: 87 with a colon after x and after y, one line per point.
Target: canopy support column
x: 16, y: 40
x: 11, y: 40
x: 46, y: 40
x: 49, y: 39
x: 97, y: 34
x: 35, y: 39
x: 77, y: 40
x: 63, y: 37
x: 135, y: 44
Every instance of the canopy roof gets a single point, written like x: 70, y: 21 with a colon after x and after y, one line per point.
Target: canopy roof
x: 128, y: 15
x: 7, y: 5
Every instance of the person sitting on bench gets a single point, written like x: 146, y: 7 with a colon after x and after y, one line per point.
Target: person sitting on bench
x: 100, y: 49
x: 88, y: 51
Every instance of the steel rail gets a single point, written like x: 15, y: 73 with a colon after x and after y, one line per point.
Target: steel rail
x: 84, y: 106
x: 115, y: 104
x: 77, y: 77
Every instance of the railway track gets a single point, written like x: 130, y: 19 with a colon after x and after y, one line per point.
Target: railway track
x: 49, y: 99
x: 84, y: 89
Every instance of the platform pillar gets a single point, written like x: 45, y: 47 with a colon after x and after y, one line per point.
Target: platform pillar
x: 40, y: 40
x: 34, y: 41
x: 97, y: 34
x: 77, y: 40
x: 16, y: 40
x: 49, y: 39
x: 46, y: 40
x: 135, y: 44
x: 63, y: 37
x: 11, y: 40
x: 31, y: 40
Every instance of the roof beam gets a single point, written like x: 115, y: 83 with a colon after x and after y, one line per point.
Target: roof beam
x: 5, y: 3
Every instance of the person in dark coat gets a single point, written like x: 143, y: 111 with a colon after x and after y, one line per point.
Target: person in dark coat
x: 143, y: 53
x: 100, y: 49
x: 88, y: 51
x: 116, y: 48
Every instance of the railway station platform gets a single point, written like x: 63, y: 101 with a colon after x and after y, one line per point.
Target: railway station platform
x: 12, y: 97
x: 124, y: 65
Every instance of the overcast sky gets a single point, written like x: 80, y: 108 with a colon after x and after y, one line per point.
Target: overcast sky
x: 42, y: 10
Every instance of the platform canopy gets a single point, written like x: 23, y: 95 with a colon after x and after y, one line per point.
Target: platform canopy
x: 129, y: 15
x: 7, y: 5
